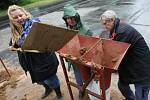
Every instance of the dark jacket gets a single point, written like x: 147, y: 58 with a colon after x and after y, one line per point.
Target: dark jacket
x: 135, y: 67
x: 40, y: 65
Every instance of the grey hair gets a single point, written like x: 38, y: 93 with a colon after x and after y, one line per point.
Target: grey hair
x: 108, y: 15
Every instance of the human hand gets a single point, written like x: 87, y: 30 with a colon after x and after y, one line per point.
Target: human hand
x: 97, y: 36
x: 15, y: 49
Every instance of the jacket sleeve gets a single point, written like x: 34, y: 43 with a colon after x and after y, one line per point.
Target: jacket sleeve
x: 10, y: 42
x: 89, y: 33
x: 128, y: 34
x: 122, y: 37
x: 13, y: 45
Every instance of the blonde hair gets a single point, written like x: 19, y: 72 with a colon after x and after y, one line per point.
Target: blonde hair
x: 16, y: 29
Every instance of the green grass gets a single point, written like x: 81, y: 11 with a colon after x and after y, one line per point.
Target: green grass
x: 30, y: 4
x: 3, y: 13
x: 34, y: 3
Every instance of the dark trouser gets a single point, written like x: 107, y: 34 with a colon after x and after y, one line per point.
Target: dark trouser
x: 52, y: 81
x: 141, y: 91
x: 77, y: 72
x: 78, y: 76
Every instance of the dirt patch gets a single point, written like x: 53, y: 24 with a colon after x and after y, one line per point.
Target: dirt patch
x: 4, y: 76
x: 115, y: 95
x: 20, y: 87
x: 6, y: 80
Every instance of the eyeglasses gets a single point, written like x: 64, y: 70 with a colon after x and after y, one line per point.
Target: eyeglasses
x: 105, y: 22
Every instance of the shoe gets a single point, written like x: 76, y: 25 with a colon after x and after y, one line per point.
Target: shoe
x: 59, y: 96
x: 58, y: 93
x: 47, y: 91
x: 81, y: 95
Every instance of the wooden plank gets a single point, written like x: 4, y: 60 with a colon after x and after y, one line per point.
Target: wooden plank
x: 47, y: 38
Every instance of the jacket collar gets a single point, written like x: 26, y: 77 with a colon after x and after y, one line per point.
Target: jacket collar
x: 114, y: 29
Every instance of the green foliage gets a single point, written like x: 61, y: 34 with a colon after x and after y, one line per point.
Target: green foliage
x: 25, y: 3
x: 5, y: 3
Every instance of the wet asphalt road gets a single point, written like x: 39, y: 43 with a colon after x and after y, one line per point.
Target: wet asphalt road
x: 135, y: 12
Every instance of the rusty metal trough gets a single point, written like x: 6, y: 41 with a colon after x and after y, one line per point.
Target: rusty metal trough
x: 101, y: 55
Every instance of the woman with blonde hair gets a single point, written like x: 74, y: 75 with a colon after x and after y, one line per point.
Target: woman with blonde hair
x: 41, y: 66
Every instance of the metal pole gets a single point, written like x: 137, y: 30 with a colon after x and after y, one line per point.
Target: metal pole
x: 102, y: 83
x: 5, y: 67
x: 66, y: 77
